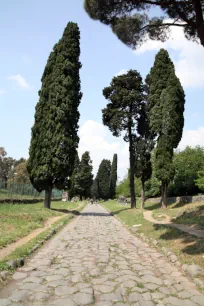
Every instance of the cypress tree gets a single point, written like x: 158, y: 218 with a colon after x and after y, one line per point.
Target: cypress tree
x: 54, y: 139
x: 126, y: 96
x: 84, y: 177
x: 103, y: 178
x: 72, y: 190
x: 143, y: 148
x: 95, y: 189
x: 113, y: 176
x: 167, y: 100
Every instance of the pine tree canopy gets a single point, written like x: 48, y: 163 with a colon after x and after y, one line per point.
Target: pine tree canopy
x: 54, y: 134
x: 125, y: 94
x: 133, y: 23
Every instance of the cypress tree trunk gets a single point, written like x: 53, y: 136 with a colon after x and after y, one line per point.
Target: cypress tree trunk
x: 48, y: 194
x: 164, y: 195
x: 142, y: 196
x: 132, y: 164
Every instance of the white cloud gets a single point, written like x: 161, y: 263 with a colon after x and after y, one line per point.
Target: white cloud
x: 20, y: 81
x: 121, y: 72
x: 94, y: 137
x: 189, y: 65
x: 2, y: 92
x: 192, y: 138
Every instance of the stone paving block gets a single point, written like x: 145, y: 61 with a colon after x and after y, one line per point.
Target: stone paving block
x: 5, y: 302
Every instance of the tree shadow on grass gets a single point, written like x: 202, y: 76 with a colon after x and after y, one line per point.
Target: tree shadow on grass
x: 66, y: 211
x: 121, y: 210
x: 154, y: 206
x: 192, y: 245
x: 192, y: 216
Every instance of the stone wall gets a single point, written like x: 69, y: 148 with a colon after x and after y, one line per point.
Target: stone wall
x: 183, y: 199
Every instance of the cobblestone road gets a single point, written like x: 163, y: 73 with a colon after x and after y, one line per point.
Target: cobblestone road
x: 96, y: 261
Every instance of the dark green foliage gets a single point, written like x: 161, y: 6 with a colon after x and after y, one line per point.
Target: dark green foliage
x: 143, y: 148
x: 84, y: 177
x: 72, y: 190
x: 167, y: 99
x: 130, y: 21
x: 188, y: 164
x: 103, y: 178
x: 95, y: 189
x: 54, y: 134
x: 200, y: 180
x: 113, y: 176
x: 157, y: 81
x: 126, y: 97
x: 6, y: 164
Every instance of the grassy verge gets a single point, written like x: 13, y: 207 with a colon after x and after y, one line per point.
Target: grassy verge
x: 17, y: 221
x: 192, y: 214
x: 25, y: 250
x: 189, y: 249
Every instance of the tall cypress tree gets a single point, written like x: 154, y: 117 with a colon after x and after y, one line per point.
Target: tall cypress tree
x: 103, y: 178
x: 84, y: 177
x: 113, y: 176
x: 54, y: 139
x: 126, y: 97
x: 167, y: 100
x: 143, y: 148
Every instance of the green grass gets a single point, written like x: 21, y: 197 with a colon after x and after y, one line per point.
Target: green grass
x: 24, y: 251
x: 192, y: 213
x: 189, y: 249
x: 18, y: 220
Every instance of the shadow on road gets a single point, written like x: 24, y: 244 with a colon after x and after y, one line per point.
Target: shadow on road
x: 67, y: 211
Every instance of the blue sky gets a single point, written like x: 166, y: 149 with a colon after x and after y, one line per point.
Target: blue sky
x: 29, y: 29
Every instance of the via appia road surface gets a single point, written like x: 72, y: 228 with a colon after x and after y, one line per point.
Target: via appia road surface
x: 95, y: 261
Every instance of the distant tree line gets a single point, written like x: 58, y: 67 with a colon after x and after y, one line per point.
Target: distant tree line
x: 82, y: 183
x: 188, y: 179
x: 12, y: 170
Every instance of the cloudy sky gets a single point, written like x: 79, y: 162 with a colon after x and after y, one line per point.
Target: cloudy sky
x: 29, y: 29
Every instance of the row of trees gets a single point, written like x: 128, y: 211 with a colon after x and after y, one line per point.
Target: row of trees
x: 133, y: 24
x: 104, y: 185
x: 82, y: 183
x: 147, y: 113
x: 188, y: 178
x: 12, y: 170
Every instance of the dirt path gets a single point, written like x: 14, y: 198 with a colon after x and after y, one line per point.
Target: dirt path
x: 11, y: 247
x: 182, y: 227
x: 96, y: 261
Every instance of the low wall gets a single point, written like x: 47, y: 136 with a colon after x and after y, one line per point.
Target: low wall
x: 182, y: 199
x: 170, y: 200
x: 24, y: 201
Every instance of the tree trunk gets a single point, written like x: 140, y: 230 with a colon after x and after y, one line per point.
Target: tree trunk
x: 201, y: 34
x: 164, y: 195
x: 199, y: 19
x: 142, y: 196
x: 48, y: 194
x: 132, y: 165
